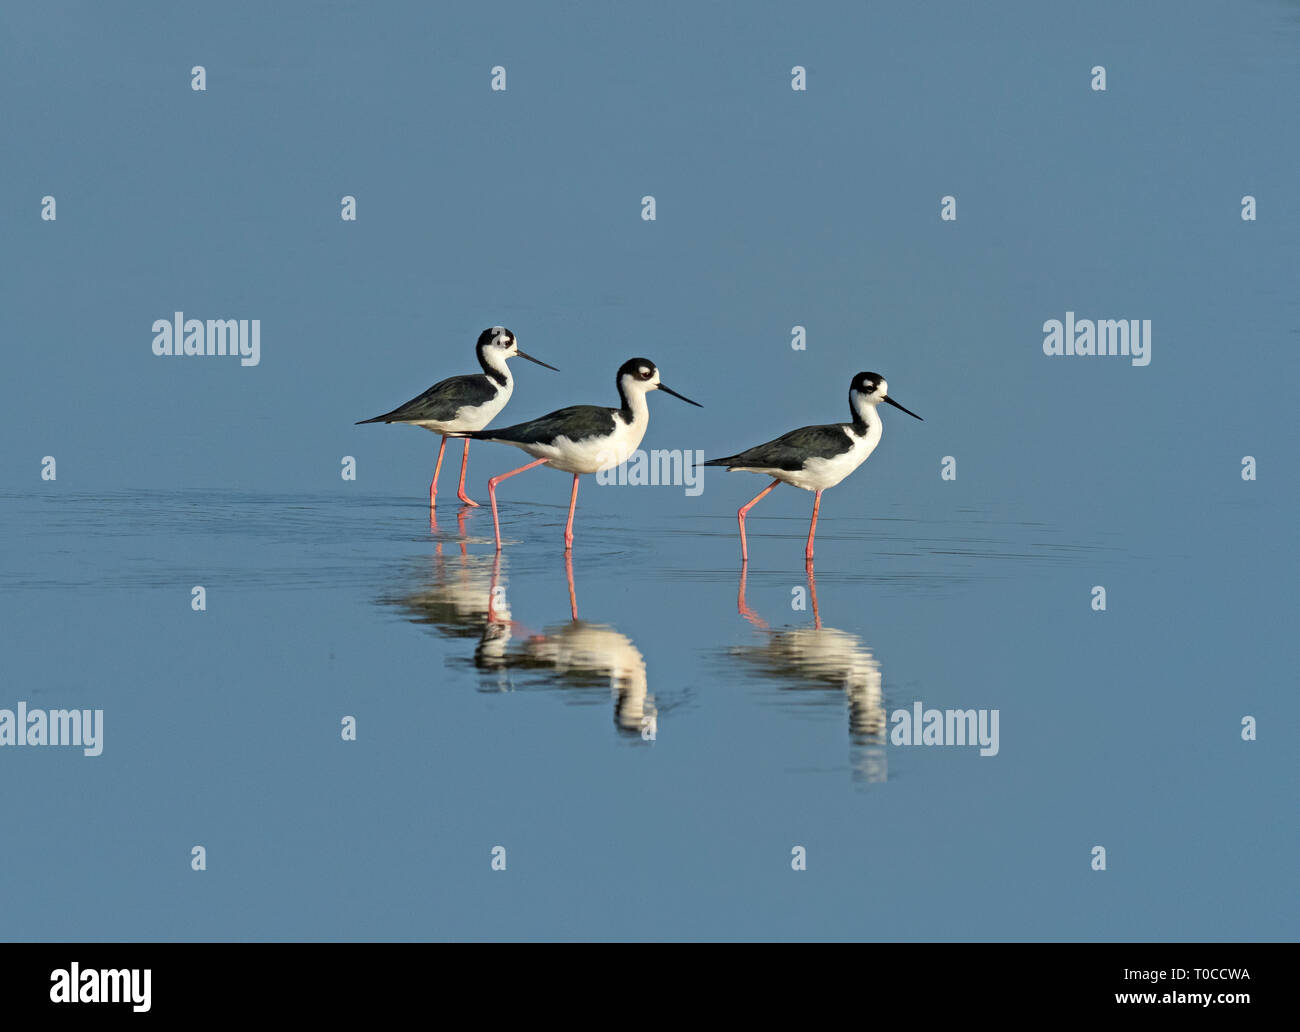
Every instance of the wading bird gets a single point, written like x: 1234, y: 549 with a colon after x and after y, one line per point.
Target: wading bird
x: 464, y: 402
x: 583, y: 438
x: 816, y: 457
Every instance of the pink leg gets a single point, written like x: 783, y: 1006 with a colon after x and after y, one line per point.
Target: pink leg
x: 812, y: 527
x: 740, y: 517
x: 568, y: 527
x: 573, y: 595
x: 464, y: 462
x: 812, y: 590
x: 492, y: 494
x: 433, y: 484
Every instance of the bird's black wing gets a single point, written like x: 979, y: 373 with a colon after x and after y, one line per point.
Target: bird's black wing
x: 790, y: 451
x: 577, y: 422
x: 442, y: 401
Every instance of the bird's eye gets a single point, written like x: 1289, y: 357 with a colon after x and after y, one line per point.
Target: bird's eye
x: 645, y: 374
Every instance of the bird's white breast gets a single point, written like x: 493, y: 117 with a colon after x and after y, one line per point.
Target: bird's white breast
x: 594, y: 453
x: 818, y: 474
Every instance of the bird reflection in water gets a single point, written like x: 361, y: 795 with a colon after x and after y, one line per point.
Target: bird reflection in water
x: 575, y: 655
x: 450, y: 594
x: 465, y: 597
x: 819, y: 658
x: 460, y: 522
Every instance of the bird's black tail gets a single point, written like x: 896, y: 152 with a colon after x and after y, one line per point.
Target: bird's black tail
x: 374, y: 419
x: 728, y: 461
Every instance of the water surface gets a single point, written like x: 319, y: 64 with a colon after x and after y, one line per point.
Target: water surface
x: 648, y: 748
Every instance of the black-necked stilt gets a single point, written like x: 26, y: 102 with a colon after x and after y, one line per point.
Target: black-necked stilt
x: 464, y: 402
x: 583, y: 438
x: 816, y: 457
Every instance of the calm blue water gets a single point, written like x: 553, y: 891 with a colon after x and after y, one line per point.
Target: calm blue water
x: 650, y: 766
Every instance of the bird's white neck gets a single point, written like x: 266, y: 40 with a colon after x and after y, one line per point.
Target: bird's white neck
x: 493, y: 361
x: 635, y: 409
x: 865, y: 411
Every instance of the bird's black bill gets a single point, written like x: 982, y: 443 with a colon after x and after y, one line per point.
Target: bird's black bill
x: 891, y: 401
x: 537, y: 360
x: 682, y: 396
